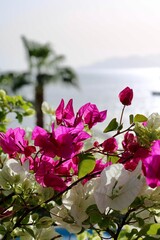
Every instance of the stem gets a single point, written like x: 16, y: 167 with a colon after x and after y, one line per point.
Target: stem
x: 126, y: 130
x: 120, y: 122
x: 56, y: 237
x: 72, y: 185
x: 17, y: 223
x: 120, y: 226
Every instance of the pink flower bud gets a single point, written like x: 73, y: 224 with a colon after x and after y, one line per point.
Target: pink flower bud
x: 126, y: 96
x: 110, y: 145
x: 96, y: 144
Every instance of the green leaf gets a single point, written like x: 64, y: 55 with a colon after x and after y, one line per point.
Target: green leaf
x: 113, y: 125
x: 140, y: 118
x: 30, y: 231
x: 19, y: 117
x: 131, y: 118
x: 140, y: 221
x: 91, y: 208
x: 13, y: 104
x: 86, y: 164
x: 29, y: 112
x: 44, y: 222
x: 120, y: 127
x: 112, y: 159
x: 2, y: 230
x: 2, y: 115
x: 94, y: 214
x: 154, y: 229
x: 150, y: 229
x: 95, y: 218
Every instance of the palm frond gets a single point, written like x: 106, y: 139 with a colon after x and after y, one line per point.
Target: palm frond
x: 20, y: 80
x: 14, y: 80
x: 68, y: 76
x: 44, y: 78
x: 36, y: 53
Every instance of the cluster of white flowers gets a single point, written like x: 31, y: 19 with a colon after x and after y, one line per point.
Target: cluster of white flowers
x: 116, y: 188
x: 14, y: 173
x: 72, y: 213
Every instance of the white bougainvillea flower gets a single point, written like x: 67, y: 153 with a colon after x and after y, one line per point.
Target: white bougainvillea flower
x: 117, y: 187
x: 39, y: 233
x: 46, y: 108
x: 78, y: 199
x: 81, y: 195
x: 13, y: 172
x: 153, y: 121
x: 46, y: 233
x: 72, y: 213
x: 62, y: 217
x: 152, y: 196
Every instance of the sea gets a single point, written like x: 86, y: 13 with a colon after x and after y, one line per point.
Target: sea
x: 102, y: 87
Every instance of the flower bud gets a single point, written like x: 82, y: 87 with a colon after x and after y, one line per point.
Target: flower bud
x: 126, y: 96
x: 96, y: 144
x: 46, y: 109
x: 110, y: 145
x: 3, y: 95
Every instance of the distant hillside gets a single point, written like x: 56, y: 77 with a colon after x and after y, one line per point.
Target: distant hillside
x: 129, y: 62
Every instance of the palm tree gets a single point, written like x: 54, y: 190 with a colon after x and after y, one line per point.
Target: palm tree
x: 44, y: 66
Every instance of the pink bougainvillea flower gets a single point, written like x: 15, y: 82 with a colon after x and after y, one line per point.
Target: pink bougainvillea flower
x: 151, y: 166
x: 90, y: 114
x: 39, y: 135
x: 13, y: 141
x: 100, y: 165
x: 42, y: 139
x: 126, y: 96
x: 129, y: 142
x: 63, y: 168
x: 65, y: 115
x: 110, y: 145
x: 65, y: 142
x: 34, y: 163
x: 133, y: 152
x: 69, y: 140
x: 58, y: 171
x: 47, y: 177
x: 29, y: 150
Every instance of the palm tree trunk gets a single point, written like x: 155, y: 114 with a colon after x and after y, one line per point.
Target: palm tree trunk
x: 39, y: 98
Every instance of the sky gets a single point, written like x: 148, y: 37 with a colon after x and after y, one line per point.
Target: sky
x: 85, y: 31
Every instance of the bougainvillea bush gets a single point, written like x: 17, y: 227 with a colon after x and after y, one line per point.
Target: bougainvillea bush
x: 65, y: 176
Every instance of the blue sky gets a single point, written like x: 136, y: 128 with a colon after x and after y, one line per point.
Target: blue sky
x: 85, y: 31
